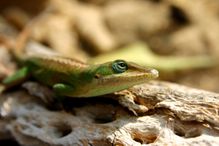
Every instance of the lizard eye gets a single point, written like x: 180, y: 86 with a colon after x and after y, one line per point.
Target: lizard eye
x: 119, y: 66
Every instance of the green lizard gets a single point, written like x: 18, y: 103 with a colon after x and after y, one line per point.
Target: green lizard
x: 72, y: 78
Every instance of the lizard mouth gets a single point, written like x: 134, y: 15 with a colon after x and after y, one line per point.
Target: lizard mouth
x: 149, y: 74
x: 131, y: 77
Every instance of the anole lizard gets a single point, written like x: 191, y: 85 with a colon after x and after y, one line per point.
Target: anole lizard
x: 69, y: 77
x: 72, y: 78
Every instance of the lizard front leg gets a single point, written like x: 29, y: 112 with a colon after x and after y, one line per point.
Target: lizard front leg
x: 63, y: 89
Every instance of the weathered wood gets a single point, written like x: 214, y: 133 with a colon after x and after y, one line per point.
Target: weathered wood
x: 177, y: 115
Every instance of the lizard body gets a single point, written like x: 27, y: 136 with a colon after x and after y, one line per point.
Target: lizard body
x: 69, y: 77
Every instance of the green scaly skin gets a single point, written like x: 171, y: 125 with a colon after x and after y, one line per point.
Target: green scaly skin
x: 72, y: 78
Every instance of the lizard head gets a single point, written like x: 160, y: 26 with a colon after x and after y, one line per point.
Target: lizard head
x: 118, y: 75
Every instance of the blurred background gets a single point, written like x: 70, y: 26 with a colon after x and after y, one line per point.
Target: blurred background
x: 177, y: 37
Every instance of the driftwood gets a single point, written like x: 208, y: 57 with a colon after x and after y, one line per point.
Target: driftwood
x: 177, y: 115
